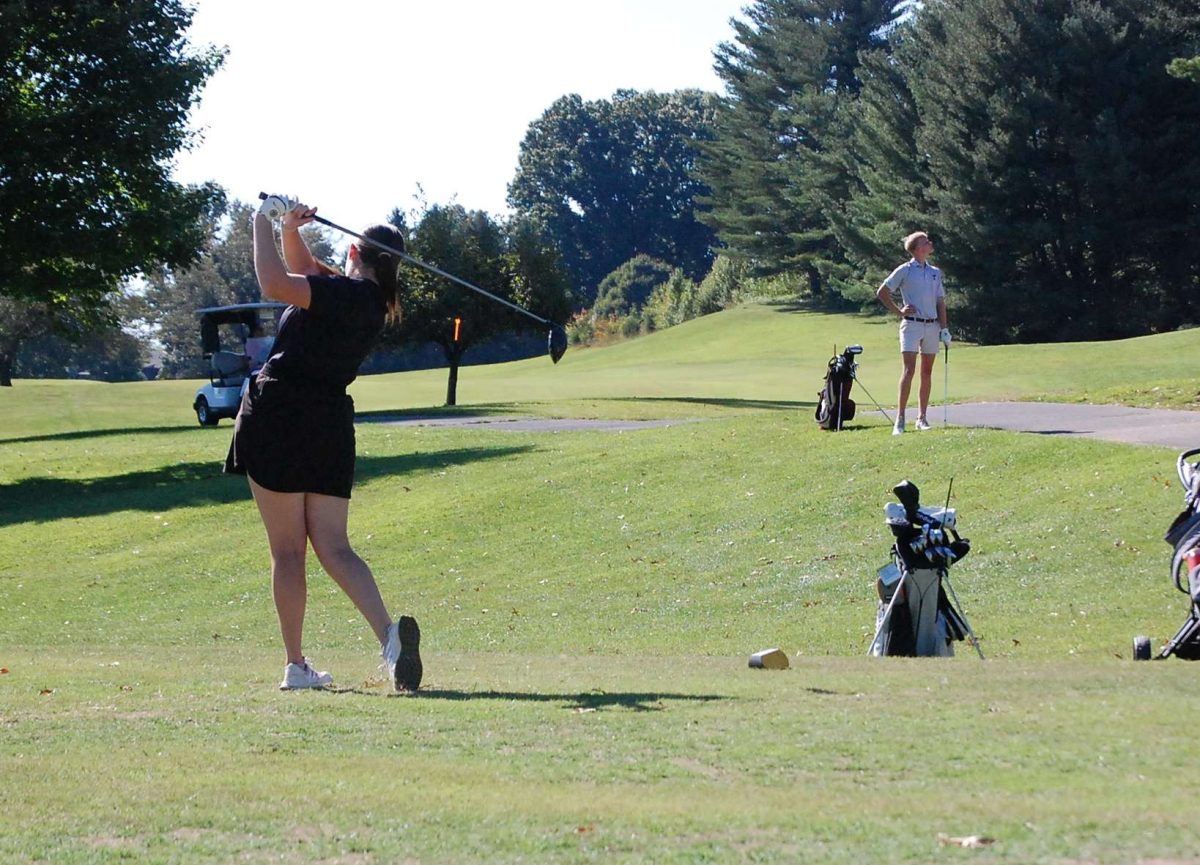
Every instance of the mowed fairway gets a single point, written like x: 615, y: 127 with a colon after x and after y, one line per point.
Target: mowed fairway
x: 589, y: 601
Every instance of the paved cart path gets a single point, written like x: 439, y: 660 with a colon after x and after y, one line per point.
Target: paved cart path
x: 1179, y: 430
x: 1145, y: 426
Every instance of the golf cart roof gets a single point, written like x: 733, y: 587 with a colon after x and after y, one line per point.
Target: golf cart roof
x: 239, y: 307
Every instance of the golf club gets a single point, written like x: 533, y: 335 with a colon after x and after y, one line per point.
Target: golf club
x: 557, y: 339
x: 946, y: 388
x: 974, y: 641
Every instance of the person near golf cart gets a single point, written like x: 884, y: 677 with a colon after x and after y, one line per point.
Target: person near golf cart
x: 294, y: 432
x: 922, y: 312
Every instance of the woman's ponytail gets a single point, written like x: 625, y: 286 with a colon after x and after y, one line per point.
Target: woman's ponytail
x: 385, y: 266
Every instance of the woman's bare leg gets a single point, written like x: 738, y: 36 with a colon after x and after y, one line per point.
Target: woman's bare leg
x: 283, y: 516
x: 326, y: 517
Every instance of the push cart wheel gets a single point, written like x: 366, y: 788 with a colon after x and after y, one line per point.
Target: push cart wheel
x: 1141, y: 648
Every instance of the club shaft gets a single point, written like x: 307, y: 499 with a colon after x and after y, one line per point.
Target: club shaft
x: 429, y: 267
x: 882, y: 410
x: 946, y: 388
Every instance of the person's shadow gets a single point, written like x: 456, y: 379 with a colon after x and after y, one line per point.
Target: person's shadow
x: 583, y: 701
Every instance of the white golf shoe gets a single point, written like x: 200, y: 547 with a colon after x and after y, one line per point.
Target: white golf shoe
x: 898, y: 429
x: 296, y: 676
x: 923, y: 424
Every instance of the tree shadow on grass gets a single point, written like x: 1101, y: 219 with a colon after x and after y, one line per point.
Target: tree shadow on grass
x: 426, y: 412
x: 584, y: 701
x: 192, y: 484
x: 77, y: 435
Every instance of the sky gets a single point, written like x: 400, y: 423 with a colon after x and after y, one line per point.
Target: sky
x: 362, y: 106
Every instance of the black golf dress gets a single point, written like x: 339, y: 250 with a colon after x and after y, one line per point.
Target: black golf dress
x: 294, y: 431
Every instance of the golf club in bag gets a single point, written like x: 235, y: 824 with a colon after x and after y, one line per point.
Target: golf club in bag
x: 557, y: 339
x: 919, y: 614
x: 834, y: 406
x: 1184, y: 538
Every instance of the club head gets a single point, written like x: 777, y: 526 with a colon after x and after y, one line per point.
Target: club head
x: 557, y: 342
x: 854, y: 349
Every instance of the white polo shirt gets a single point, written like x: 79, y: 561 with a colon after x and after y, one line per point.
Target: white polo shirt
x: 918, y: 284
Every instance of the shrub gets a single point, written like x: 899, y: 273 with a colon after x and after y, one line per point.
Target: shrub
x: 627, y: 288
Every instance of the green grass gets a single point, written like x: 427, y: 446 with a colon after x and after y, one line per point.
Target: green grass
x: 589, y: 601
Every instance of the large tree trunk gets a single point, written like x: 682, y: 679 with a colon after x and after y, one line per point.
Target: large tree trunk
x: 6, y: 366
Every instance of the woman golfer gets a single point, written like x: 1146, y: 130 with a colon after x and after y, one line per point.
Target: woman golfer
x: 922, y: 311
x: 294, y: 433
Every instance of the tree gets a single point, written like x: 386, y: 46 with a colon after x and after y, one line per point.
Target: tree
x: 37, y: 341
x: 610, y: 179
x: 513, y: 260
x: 110, y: 354
x: 1188, y: 67
x: 20, y: 321
x: 887, y: 196
x: 94, y: 99
x: 791, y: 79
x: 1061, y: 164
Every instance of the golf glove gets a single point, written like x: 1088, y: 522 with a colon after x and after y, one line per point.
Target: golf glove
x: 944, y: 336
x: 274, y: 207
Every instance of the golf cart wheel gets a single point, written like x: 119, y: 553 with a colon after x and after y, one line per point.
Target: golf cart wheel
x: 204, y: 414
x: 1141, y: 648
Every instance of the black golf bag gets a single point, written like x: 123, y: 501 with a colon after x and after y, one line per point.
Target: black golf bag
x: 916, y: 615
x: 1184, y: 538
x: 834, y: 406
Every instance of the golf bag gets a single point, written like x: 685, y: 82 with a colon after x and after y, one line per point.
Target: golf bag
x: 1184, y: 538
x: 834, y: 406
x: 916, y: 616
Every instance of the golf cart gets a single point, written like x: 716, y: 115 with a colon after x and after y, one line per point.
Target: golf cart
x: 250, y: 329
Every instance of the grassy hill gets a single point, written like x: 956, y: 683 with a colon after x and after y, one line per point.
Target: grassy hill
x: 773, y: 353
x: 589, y: 600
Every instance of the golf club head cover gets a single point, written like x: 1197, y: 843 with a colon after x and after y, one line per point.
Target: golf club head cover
x: 910, y: 497
x: 944, y: 335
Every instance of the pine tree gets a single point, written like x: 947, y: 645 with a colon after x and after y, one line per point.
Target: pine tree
x: 1061, y: 163
x: 887, y: 175
x: 774, y: 168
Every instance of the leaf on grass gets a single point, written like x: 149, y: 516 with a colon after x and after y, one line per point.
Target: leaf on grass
x: 583, y: 830
x: 3, y: 671
x: 968, y: 841
x: 46, y: 691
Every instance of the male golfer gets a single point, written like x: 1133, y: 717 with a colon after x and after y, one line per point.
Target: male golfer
x: 922, y: 311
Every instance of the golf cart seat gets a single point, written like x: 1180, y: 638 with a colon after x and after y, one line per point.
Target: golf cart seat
x: 229, y: 368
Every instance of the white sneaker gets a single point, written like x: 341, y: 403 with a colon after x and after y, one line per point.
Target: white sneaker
x: 402, y: 654
x: 390, y: 651
x: 899, y: 427
x: 923, y: 424
x: 297, y: 676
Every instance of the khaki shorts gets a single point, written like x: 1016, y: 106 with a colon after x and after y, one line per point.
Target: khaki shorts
x: 918, y: 336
